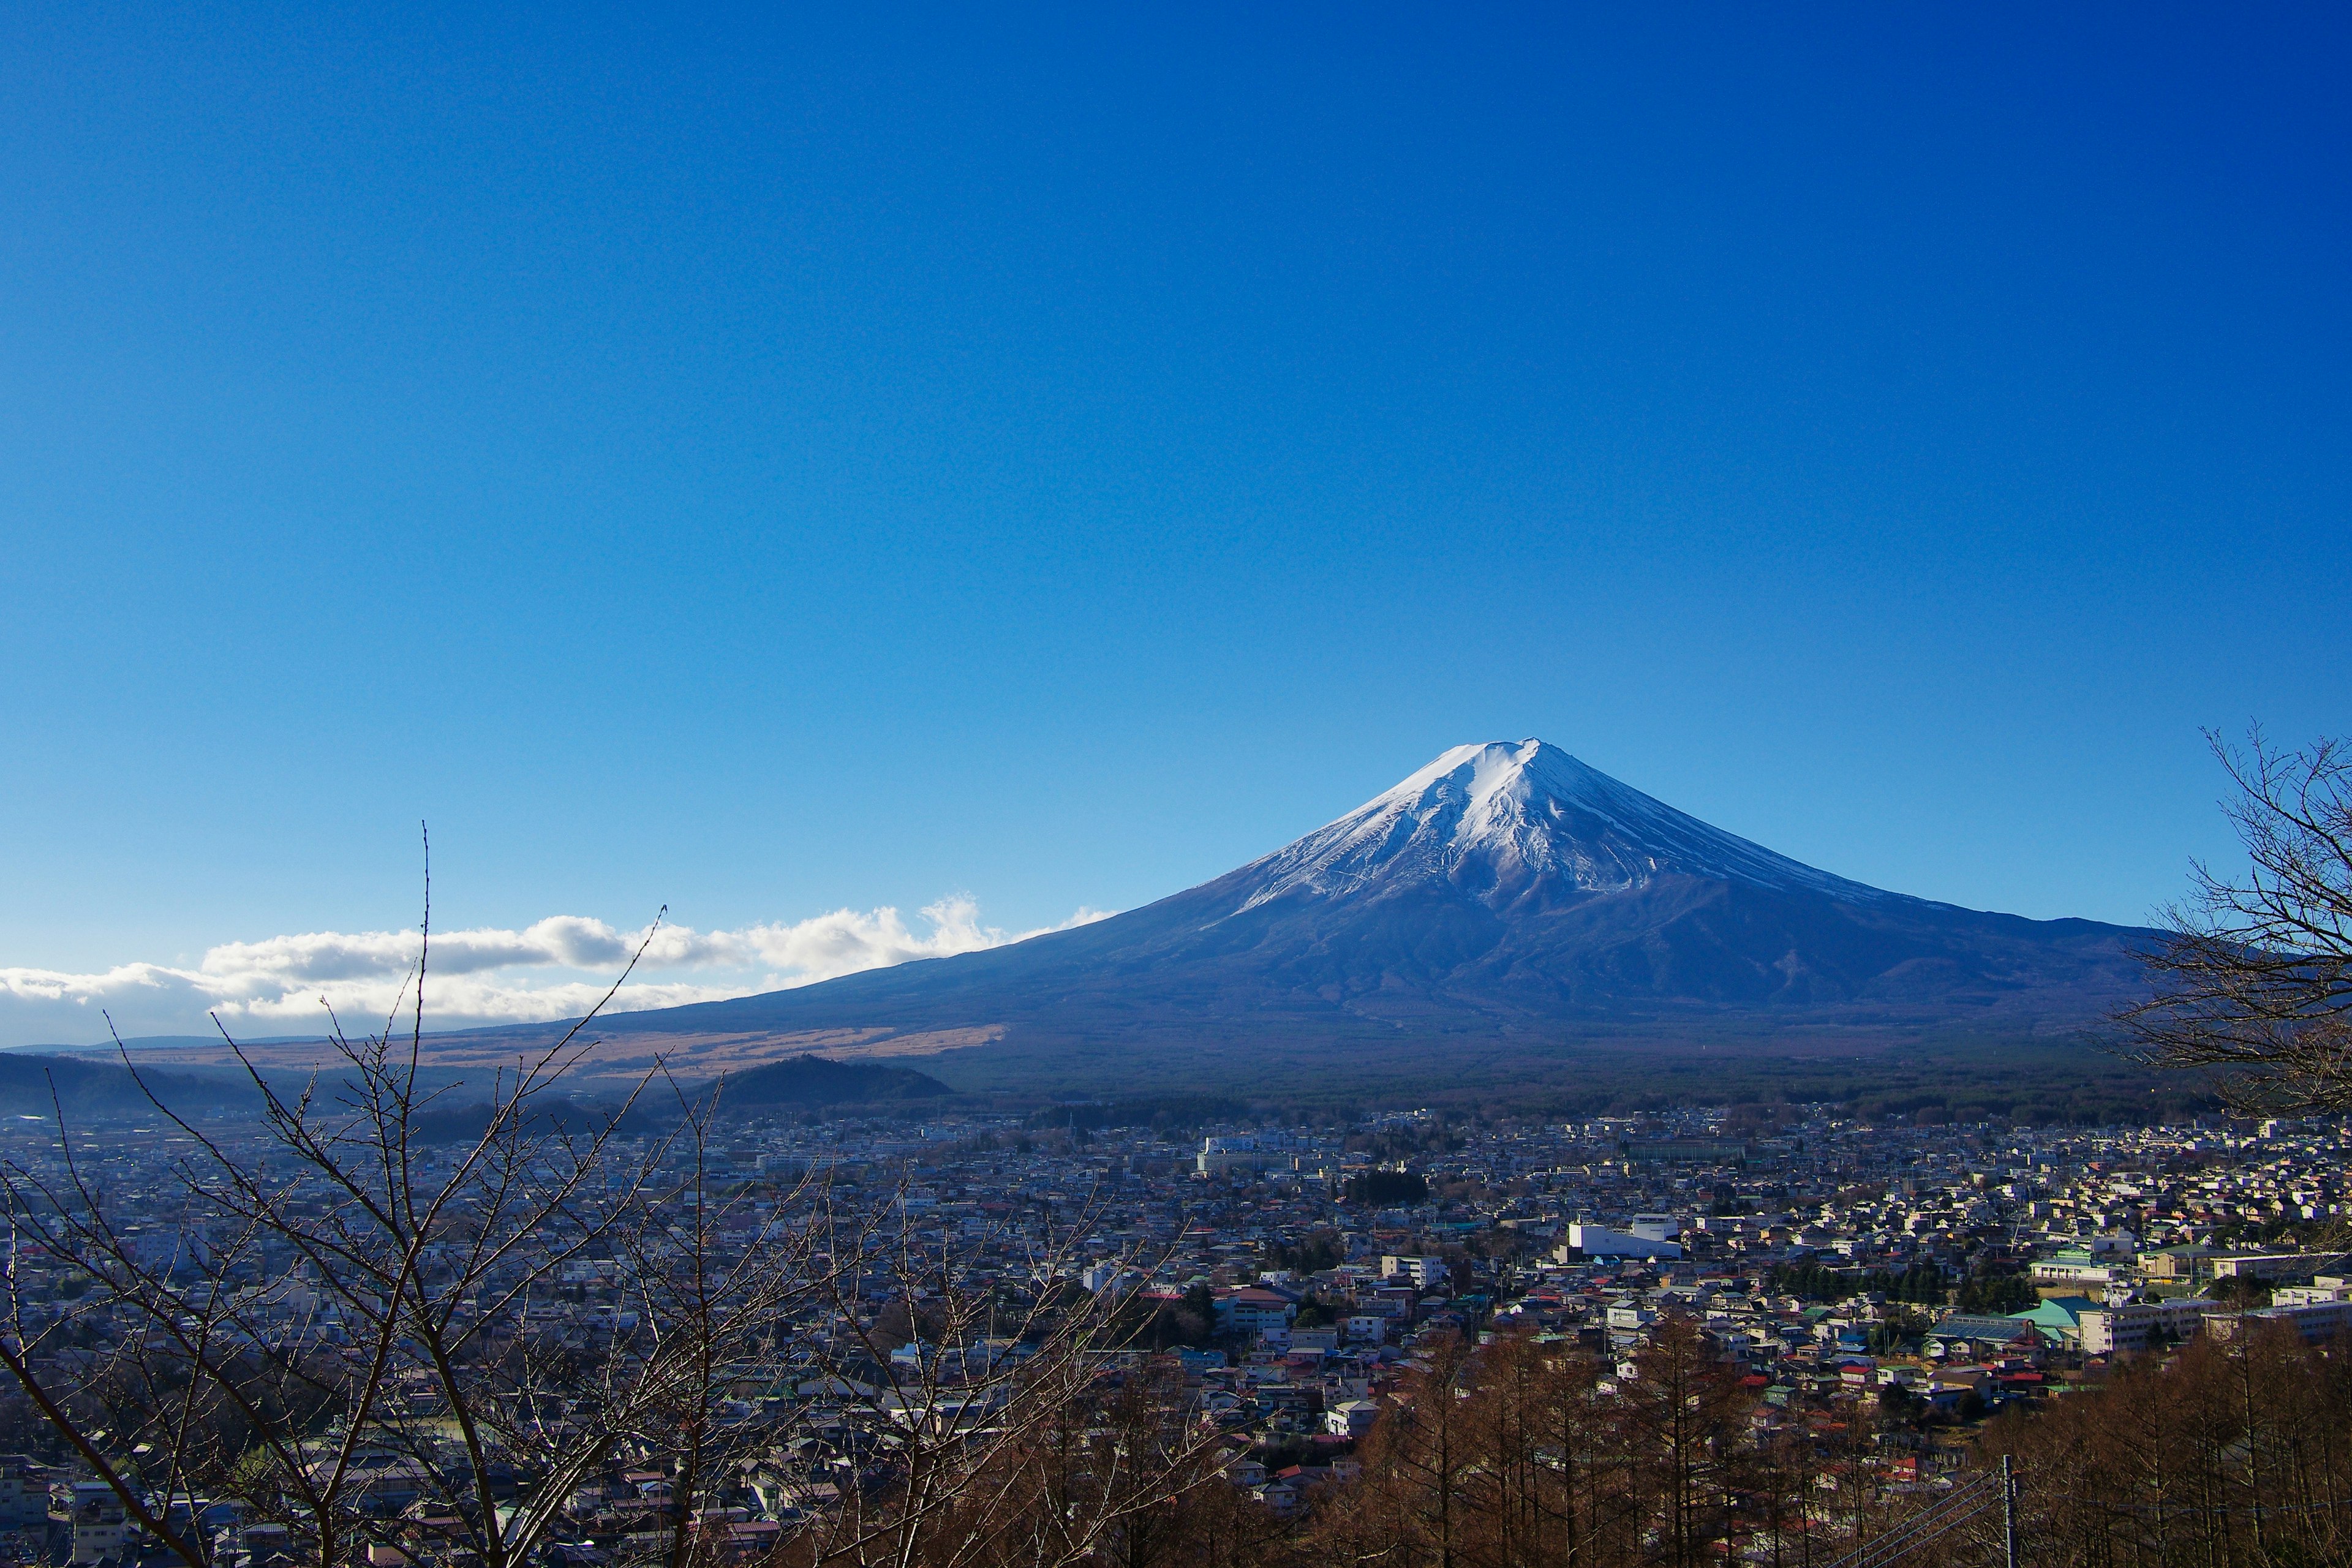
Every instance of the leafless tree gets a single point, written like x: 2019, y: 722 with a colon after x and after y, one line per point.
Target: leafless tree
x: 992, y: 1413
x: 342, y: 1324
x: 374, y: 1316
x: 2254, y: 986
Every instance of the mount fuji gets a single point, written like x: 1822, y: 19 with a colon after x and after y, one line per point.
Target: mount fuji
x: 1505, y: 899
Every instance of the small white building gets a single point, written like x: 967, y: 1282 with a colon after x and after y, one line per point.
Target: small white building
x: 1110, y: 1275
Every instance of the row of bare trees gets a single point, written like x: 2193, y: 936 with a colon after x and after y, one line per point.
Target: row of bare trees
x: 1525, y: 1453
x: 1528, y: 1452
x: 2236, y: 1453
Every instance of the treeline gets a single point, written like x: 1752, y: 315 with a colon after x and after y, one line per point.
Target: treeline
x: 1322, y: 1248
x: 1971, y: 1082
x: 1385, y: 1188
x: 1161, y: 1113
x: 1528, y: 1453
x: 2038, y: 1085
x: 2226, y: 1453
x: 1922, y: 1284
x: 1525, y: 1453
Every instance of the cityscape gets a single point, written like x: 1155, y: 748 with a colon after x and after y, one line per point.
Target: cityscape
x: 1289, y: 1284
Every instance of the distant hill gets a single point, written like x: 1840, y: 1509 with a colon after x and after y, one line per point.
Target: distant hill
x: 37, y: 1085
x: 815, y: 1080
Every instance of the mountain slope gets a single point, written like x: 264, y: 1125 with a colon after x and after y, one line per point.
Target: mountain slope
x: 1505, y: 894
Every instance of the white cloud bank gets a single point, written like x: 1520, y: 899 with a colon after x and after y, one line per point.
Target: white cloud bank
x: 548, y: 970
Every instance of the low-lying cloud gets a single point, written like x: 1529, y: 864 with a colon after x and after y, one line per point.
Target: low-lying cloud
x: 554, y: 968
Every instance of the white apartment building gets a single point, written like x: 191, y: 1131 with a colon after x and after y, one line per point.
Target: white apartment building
x: 1420, y: 1272
x: 2135, y: 1325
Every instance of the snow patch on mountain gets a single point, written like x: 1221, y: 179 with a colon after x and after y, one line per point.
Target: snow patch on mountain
x: 1506, y: 821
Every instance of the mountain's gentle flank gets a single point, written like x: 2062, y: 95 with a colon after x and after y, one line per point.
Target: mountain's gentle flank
x: 1504, y: 897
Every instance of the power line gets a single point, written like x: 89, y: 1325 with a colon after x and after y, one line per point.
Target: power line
x: 1947, y: 1513
x: 1965, y: 1503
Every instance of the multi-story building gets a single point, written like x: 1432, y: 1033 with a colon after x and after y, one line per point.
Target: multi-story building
x: 2316, y: 1322
x: 2134, y: 1326
x: 101, y: 1531
x: 24, y: 1493
x: 1421, y: 1273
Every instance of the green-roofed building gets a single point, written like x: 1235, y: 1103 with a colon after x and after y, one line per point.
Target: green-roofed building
x: 2060, y: 1316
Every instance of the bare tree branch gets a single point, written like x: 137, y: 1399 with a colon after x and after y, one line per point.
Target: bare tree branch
x: 2254, y: 988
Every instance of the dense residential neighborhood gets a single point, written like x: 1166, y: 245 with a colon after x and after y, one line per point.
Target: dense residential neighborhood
x: 1906, y: 1281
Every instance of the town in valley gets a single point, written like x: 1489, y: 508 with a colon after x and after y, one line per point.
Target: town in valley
x: 1900, y: 1284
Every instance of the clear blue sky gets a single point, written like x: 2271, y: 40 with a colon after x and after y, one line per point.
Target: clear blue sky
x: 768, y: 461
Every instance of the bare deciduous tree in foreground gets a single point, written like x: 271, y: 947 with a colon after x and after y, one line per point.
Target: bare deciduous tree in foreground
x: 354, y: 1331
x: 2254, y: 985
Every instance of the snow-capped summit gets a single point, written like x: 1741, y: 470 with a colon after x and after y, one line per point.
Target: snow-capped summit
x: 1506, y: 821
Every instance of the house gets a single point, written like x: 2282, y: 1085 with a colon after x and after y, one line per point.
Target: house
x: 1281, y: 1495
x: 2076, y: 1270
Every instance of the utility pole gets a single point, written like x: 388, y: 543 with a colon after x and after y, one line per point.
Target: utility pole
x: 2007, y: 1514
